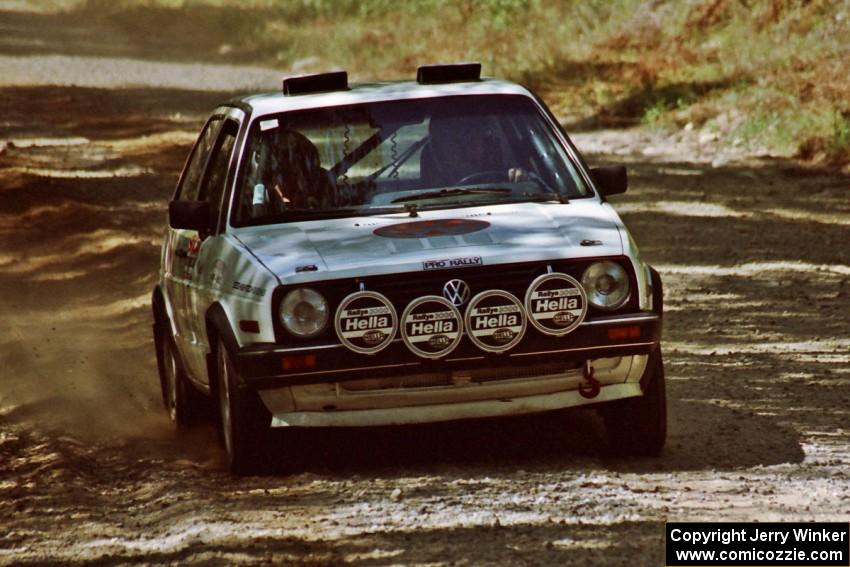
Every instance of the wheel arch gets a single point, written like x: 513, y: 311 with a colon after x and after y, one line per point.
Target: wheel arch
x: 157, y: 305
x: 163, y: 323
x: 217, y: 325
x: 161, y: 308
x: 656, y: 357
x: 160, y: 323
x: 657, y: 291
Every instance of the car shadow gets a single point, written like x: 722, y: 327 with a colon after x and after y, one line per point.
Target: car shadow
x: 702, y: 437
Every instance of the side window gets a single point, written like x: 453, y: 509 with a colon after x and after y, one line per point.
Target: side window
x: 216, y: 177
x: 189, y: 183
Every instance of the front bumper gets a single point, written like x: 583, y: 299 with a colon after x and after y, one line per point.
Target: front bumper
x: 261, y: 366
x: 451, y: 411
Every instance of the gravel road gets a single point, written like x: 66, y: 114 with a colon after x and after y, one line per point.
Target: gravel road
x: 755, y: 259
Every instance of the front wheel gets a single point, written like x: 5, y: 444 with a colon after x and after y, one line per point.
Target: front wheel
x: 638, y: 426
x: 244, y: 421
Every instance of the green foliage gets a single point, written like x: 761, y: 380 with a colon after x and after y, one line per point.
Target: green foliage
x: 778, y: 63
x: 654, y: 112
x: 839, y: 144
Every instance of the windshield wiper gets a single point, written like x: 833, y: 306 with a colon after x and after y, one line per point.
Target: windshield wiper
x: 547, y: 191
x: 548, y: 195
x: 297, y: 215
x: 452, y: 192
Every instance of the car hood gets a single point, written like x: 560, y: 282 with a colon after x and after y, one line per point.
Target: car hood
x: 495, y: 234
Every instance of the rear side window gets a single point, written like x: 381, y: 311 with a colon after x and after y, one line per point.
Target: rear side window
x: 190, y: 181
x: 216, y: 178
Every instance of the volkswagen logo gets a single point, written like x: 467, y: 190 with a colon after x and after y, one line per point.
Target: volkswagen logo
x: 457, y: 292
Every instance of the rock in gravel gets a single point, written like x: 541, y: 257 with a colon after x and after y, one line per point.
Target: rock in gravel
x: 396, y: 494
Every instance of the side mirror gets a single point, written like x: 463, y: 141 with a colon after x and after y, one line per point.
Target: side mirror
x: 611, y: 179
x: 189, y: 215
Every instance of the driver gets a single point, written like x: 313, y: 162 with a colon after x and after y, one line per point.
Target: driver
x: 460, y: 149
x: 298, y: 179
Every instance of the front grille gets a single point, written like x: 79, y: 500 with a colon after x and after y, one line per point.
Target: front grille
x: 401, y: 289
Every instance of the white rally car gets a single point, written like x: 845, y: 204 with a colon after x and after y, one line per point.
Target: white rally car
x: 398, y: 253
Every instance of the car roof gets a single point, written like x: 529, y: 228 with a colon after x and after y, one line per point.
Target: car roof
x: 275, y: 102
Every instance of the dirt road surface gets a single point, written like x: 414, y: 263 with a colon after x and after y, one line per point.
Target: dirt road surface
x: 755, y: 256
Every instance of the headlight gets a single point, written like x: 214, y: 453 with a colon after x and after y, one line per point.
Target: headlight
x: 304, y: 312
x: 606, y: 285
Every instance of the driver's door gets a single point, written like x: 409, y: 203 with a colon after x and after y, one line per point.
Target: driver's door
x: 182, y: 244
x: 201, y: 289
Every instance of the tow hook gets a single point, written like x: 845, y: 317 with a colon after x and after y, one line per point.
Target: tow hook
x: 591, y: 387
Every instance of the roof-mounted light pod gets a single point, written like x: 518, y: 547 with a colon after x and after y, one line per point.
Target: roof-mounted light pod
x: 450, y: 73
x: 315, y: 83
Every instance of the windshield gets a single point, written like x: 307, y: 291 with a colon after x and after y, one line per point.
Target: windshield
x: 389, y: 156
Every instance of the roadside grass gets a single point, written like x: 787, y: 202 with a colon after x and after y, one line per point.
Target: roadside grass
x: 770, y: 75
x: 838, y: 147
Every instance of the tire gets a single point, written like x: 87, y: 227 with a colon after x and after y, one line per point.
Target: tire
x: 184, y: 404
x: 244, y: 420
x: 638, y: 426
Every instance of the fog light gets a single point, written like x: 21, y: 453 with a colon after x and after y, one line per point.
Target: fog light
x: 620, y: 333
x: 298, y: 362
